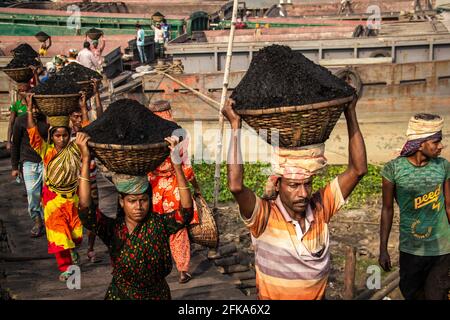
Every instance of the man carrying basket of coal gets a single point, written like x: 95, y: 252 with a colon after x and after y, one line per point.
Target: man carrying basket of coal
x: 291, y: 233
x: 289, y: 227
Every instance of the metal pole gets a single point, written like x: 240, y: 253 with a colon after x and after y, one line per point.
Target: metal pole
x: 222, y: 103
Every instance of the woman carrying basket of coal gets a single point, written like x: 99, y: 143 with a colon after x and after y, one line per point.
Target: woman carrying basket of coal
x: 137, y: 239
x: 59, y: 194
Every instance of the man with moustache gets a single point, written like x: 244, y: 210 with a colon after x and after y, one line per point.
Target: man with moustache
x: 290, y: 231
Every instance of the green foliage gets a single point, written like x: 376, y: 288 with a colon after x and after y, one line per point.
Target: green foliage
x: 255, y: 177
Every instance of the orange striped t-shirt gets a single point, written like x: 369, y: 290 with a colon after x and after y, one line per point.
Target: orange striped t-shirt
x: 288, y: 266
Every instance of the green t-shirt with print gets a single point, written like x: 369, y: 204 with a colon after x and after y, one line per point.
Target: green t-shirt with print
x: 18, y: 108
x: 419, y: 192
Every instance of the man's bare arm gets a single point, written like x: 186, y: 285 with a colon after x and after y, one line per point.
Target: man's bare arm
x: 245, y: 198
x: 357, y: 158
x: 387, y: 214
x: 102, y: 47
x: 98, y: 101
x: 83, y: 107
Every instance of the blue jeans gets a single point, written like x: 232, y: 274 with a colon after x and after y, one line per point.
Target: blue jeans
x: 142, y: 55
x: 32, y: 176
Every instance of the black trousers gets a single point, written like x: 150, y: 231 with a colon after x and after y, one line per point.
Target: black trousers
x: 425, y: 278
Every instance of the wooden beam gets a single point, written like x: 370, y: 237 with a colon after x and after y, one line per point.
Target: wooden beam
x: 353, y: 61
x: 209, y: 100
x: 366, y: 294
x: 386, y: 290
x: 349, y: 272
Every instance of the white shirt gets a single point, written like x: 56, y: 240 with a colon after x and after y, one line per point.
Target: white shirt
x: 298, y: 230
x: 87, y: 59
x: 159, y: 35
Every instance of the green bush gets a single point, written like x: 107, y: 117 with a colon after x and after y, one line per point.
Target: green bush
x: 255, y: 177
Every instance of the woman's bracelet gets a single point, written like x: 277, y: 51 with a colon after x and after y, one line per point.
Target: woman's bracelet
x: 183, y: 188
x: 84, y: 179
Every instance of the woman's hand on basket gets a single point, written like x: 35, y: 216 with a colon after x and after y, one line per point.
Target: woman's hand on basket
x: 95, y: 84
x: 82, y: 142
x: 230, y: 114
x: 174, y: 150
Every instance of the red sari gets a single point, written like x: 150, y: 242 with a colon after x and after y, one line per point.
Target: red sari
x: 166, y: 198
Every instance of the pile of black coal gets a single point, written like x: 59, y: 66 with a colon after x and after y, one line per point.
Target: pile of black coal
x: 22, y: 62
x: 57, y: 85
x: 24, y: 49
x: 127, y: 122
x: 24, y: 56
x: 278, y: 77
x: 76, y: 72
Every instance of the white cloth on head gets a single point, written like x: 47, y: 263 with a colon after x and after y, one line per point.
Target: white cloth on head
x: 420, y: 128
x: 295, y: 163
x: 298, y: 163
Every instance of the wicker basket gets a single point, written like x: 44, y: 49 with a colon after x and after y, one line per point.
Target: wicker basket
x: 204, y: 233
x: 42, y: 37
x: 94, y: 35
x: 19, y: 74
x: 159, y: 106
x: 297, y: 125
x: 134, y: 160
x: 57, y: 105
x: 157, y: 16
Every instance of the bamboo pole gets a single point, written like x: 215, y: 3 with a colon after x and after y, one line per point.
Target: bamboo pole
x: 222, y: 103
x: 212, y: 102
x: 386, y: 290
x: 366, y: 294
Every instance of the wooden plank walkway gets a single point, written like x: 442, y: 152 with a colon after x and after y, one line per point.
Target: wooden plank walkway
x: 38, y: 279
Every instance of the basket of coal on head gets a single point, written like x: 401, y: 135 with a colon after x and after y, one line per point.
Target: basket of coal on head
x: 286, y: 94
x: 41, y: 36
x: 18, y: 69
x: 82, y: 76
x: 94, y: 34
x: 128, y: 138
x: 57, y: 96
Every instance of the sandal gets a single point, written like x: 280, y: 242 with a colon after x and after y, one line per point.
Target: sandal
x: 37, y: 231
x: 186, y: 278
x: 75, y: 257
x: 64, y: 276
